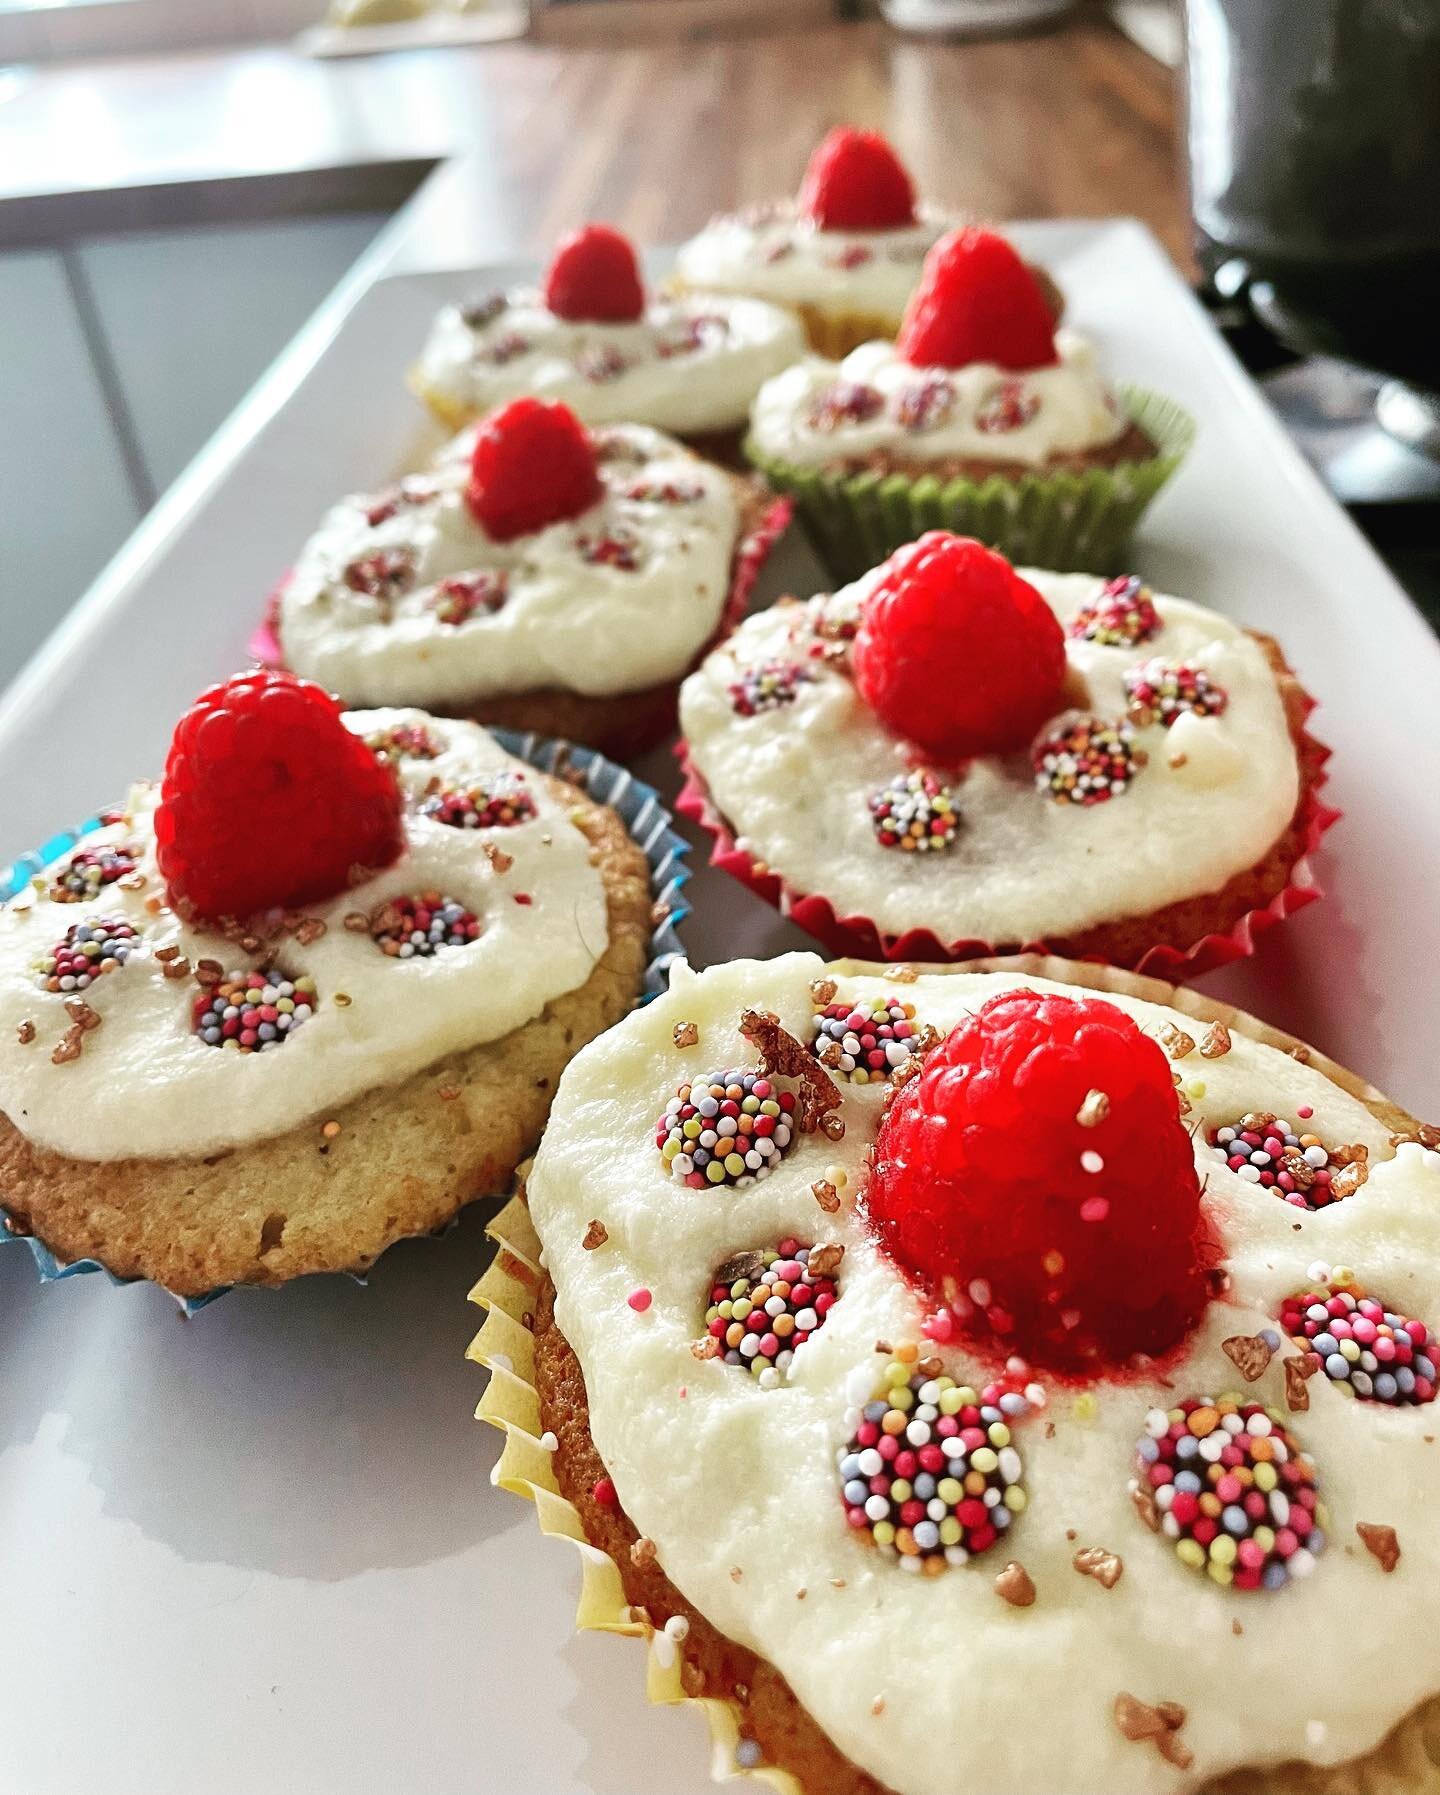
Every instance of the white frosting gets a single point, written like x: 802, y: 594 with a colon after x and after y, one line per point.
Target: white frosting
x: 1072, y: 409
x: 691, y: 364
x: 590, y: 626
x: 147, y: 1085
x: 795, y: 781
x: 779, y: 255
x: 979, y: 1696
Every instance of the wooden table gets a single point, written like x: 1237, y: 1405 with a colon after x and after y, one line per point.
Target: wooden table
x: 1076, y: 122
x: 655, y: 137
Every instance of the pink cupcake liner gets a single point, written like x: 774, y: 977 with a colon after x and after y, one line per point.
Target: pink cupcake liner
x: 751, y: 553
x: 862, y: 938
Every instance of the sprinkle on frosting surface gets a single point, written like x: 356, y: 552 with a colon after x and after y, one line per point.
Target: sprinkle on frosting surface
x: 764, y: 1305
x: 772, y: 251
x: 813, y: 412
x: 736, y: 1477
x: 691, y: 364
x: 1367, y: 1348
x: 118, y: 1057
x: 1128, y: 816
x: 1236, y: 1494
x: 405, y: 603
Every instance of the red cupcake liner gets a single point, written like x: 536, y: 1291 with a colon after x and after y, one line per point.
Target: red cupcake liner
x: 751, y: 553
x: 861, y: 938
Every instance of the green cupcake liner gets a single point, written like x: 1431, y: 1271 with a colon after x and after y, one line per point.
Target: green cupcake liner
x: 1065, y: 521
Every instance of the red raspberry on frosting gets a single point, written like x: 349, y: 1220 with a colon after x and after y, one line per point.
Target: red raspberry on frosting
x: 1036, y: 1179
x: 977, y: 302
x: 533, y: 464
x: 856, y: 182
x: 956, y: 652
x: 269, y: 800
x: 594, y: 278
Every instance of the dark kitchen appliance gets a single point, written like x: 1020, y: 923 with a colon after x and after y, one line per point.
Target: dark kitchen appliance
x: 1314, y: 151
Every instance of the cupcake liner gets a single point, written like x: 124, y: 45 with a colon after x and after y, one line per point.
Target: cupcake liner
x: 828, y: 332
x: 752, y: 551
x: 1062, y: 520
x: 1406, y: 1763
x: 649, y: 826
x: 445, y: 410
x: 505, y: 1348
x: 834, y: 334
x: 861, y: 936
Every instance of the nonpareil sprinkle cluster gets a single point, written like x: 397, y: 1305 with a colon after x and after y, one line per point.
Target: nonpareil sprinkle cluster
x: 600, y: 363
x: 99, y: 945
x: 915, y: 812
x: 1122, y: 615
x: 924, y: 403
x: 254, y: 1011
x: 1008, y: 407
x: 417, y: 924
x: 619, y: 550
x: 1085, y: 761
x: 467, y: 595
x: 404, y: 741
x: 725, y: 1128
x: 497, y: 804
x: 1368, y: 1349
x: 88, y: 869
x: 767, y: 687
x: 1160, y: 690
x: 410, y: 491
x: 1233, y: 1491
x: 930, y: 1473
x: 509, y: 346
x: 483, y: 309
x: 766, y: 1304
x: 865, y: 1040
x: 844, y: 402
x: 665, y: 492
x: 1263, y: 1149
x: 698, y: 332
x: 384, y: 575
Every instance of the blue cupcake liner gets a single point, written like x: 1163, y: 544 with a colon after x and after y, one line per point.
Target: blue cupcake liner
x: 637, y: 804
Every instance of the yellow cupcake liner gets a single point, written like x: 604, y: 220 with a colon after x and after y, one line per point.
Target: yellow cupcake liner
x: 828, y: 332
x: 447, y: 411
x: 835, y: 334
x: 508, y: 1293
x: 1407, y: 1762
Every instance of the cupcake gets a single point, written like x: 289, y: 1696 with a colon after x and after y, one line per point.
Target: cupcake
x: 310, y: 995
x: 690, y: 363
x: 844, y: 256
x: 995, y: 1430
x: 540, y: 576
x: 983, y: 417
x: 949, y: 757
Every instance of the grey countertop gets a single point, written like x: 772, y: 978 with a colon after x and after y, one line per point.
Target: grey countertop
x: 136, y: 142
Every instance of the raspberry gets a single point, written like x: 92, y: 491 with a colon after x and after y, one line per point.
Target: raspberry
x: 1037, y: 1179
x: 956, y: 652
x: 532, y: 465
x: 269, y: 800
x: 856, y: 182
x: 593, y: 277
x: 977, y: 302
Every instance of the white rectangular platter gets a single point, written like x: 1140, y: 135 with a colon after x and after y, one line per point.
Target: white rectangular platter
x: 259, y: 1549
